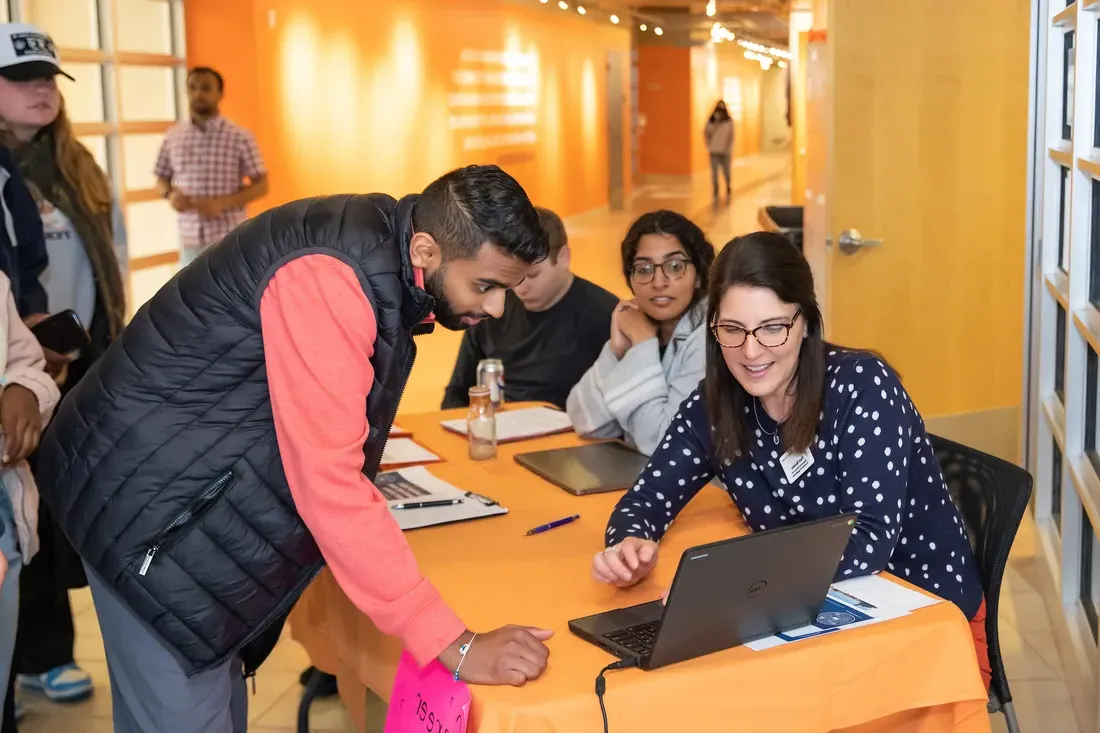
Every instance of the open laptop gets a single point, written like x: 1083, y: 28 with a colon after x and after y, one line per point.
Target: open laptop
x: 728, y: 593
x: 587, y: 469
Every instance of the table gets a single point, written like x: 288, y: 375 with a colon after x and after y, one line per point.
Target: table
x: 912, y: 675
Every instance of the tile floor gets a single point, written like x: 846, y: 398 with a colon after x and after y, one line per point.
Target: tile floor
x: 1031, y: 658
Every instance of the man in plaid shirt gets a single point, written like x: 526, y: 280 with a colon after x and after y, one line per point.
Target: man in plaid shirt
x: 209, y: 169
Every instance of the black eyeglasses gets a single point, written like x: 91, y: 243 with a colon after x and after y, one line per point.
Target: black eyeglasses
x: 674, y: 269
x: 770, y: 335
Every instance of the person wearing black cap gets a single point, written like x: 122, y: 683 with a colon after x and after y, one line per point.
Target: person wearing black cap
x: 82, y: 228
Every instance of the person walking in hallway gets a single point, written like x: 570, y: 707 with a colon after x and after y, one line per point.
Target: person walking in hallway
x: 82, y: 227
x: 225, y: 450
x: 208, y: 168
x: 719, y: 138
x: 553, y: 328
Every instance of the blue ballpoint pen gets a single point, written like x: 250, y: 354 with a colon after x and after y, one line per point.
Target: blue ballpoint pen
x: 552, y: 525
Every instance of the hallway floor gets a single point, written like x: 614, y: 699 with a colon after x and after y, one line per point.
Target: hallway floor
x: 1042, y: 702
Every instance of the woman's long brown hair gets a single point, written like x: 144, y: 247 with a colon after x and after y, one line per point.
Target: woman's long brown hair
x: 764, y: 260
x: 79, y: 169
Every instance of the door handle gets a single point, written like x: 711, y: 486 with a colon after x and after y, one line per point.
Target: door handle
x: 851, y: 241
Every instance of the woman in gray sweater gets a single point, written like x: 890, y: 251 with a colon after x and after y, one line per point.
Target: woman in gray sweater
x: 655, y: 356
x: 719, y: 139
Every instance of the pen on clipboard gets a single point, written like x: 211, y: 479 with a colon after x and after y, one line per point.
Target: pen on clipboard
x: 427, y: 504
x: 546, y: 527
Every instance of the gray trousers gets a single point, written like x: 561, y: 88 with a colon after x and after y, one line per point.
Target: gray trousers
x: 149, y: 691
x: 719, y: 162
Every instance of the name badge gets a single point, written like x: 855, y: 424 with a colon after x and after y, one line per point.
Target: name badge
x: 796, y: 464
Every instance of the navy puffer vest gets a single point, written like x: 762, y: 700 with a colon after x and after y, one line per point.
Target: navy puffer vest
x: 162, y: 464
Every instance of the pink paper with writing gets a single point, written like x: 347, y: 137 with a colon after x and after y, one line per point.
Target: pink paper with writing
x: 427, y: 700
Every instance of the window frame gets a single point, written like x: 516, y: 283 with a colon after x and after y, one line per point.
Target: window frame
x: 111, y: 60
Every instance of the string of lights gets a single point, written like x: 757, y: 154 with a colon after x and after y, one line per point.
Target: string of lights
x: 611, y: 17
x: 765, y: 55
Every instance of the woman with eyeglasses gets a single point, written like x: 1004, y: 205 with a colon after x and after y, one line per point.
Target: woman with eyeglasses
x: 798, y: 429
x: 655, y: 356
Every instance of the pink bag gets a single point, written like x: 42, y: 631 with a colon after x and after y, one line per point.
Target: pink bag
x: 427, y: 700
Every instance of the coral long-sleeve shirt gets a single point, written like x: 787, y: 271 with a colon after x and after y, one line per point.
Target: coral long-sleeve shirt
x: 319, y: 332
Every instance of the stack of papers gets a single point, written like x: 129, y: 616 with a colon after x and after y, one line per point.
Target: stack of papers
x: 419, y: 485
x: 396, y: 431
x: 529, y: 422
x: 405, y: 452
x: 851, y: 604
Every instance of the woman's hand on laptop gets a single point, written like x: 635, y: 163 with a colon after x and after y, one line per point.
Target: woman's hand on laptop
x: 626, y: 563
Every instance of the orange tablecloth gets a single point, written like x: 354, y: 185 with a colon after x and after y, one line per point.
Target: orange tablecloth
x: 914, y: 674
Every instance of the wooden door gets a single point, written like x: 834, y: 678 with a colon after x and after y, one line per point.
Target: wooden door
x: 918, y: 138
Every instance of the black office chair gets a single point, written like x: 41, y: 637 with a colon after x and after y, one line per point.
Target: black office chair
x: 992, y: 496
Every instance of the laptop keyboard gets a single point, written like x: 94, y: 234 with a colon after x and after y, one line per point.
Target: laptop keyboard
x: 638, y: 639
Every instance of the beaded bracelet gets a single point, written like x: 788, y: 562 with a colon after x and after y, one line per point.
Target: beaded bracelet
x: 462, y: 652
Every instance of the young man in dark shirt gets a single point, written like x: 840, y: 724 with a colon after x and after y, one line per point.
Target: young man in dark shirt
x: 552, y: 330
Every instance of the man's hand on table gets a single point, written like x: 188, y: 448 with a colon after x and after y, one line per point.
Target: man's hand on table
x: 626, y: 563
x: 511, y: 655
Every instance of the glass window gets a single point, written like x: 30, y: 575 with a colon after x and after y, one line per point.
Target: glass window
x: 1096, y: 99
x: 1064, y: 221
x: 1091, y: 368
x: 147, y: 93
x: 140, y: 153
x: 1056, y: 485
x: 83, y: 97
x: 70, y: 23
x: 1069, y: 58
x: 1090, y: 572
x: 145, y: 283
x: 1060, y: 353
x: 97, y: 145
x: 144, y: 27
x: 151, y: 228
x: 1094, y: 244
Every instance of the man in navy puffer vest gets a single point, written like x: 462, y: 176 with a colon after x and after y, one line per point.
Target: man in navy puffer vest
x: 223, y: 449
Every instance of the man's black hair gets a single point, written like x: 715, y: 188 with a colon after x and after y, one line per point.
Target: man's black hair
x: 471, y: 206
x: 211, y: 72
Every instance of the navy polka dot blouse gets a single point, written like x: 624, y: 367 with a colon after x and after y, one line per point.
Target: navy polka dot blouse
x: 871, y: 456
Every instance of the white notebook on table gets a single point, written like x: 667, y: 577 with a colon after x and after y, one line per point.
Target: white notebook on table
x: 521, y: 424
x: 406, y: 451
x: 417, y: 484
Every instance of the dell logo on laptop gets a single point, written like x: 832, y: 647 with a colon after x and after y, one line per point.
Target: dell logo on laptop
x: 757, y: 588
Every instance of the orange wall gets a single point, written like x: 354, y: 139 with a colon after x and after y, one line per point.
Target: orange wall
x: 366, y: 96
x: 664, y: 106
x: 677, y: 90
x: 208, y: 47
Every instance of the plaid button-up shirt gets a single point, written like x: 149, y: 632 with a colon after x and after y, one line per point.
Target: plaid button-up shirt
x: 204, y: 162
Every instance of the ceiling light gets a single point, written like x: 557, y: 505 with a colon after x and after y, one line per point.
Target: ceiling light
x: 711, y: 8
x: 615, y: 19
x: 658, y: 31
x: 581, y: 10
x: 563, y: 5
x: 719, y: 33
x: 643, y: 27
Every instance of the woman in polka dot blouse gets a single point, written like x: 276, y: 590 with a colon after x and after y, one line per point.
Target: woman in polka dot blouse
x: 775, y: 391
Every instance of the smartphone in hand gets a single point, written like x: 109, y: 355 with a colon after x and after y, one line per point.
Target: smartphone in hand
x: 62, y: 332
